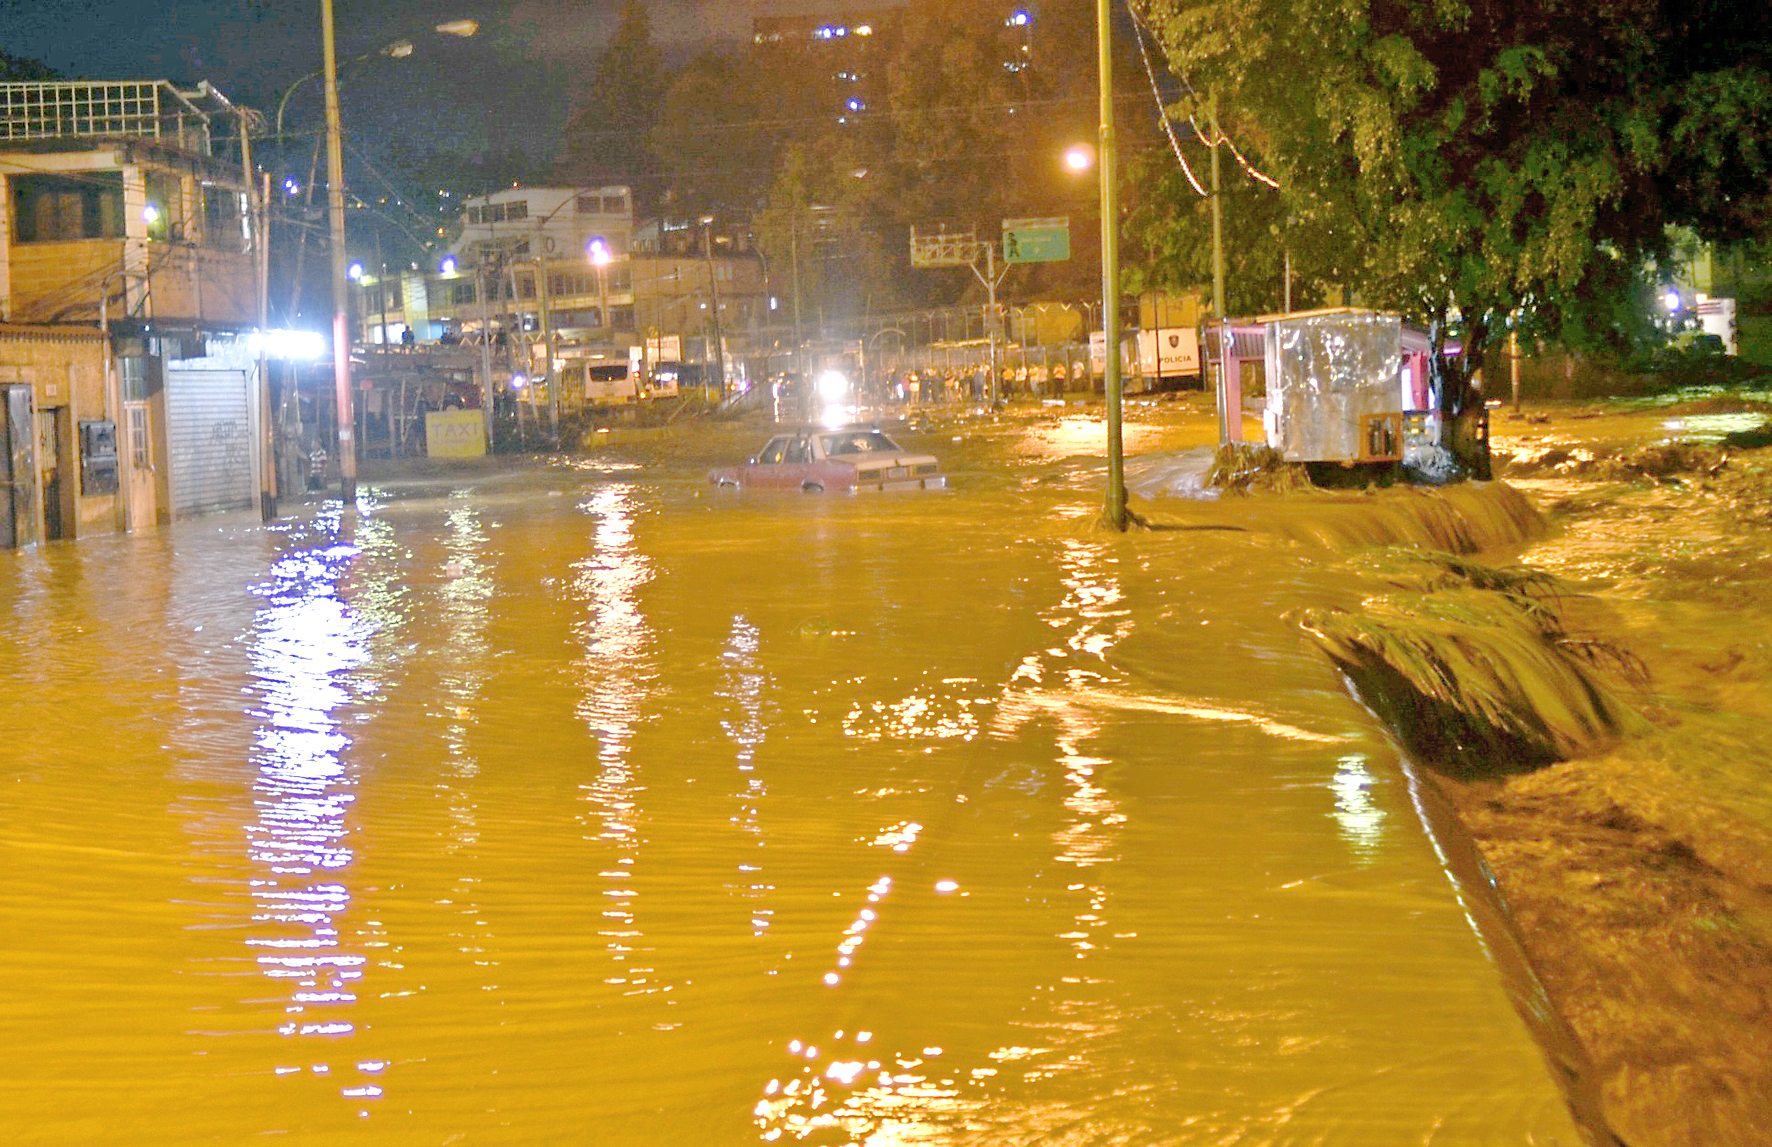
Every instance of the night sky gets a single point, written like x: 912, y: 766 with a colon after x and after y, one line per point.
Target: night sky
x: 515, y: 83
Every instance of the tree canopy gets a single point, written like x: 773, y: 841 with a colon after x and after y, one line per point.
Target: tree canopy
x: 1488, y: 154
x: 608, y: 139
x: 23, y: 69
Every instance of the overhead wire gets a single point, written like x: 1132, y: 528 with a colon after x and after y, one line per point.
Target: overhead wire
x: 1220, y: 135
x: 1138, y: 30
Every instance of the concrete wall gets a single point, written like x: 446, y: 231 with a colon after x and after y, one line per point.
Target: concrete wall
x: 65, y: 366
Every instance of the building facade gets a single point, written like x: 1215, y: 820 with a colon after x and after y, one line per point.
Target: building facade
x: 129, y: 301
x: 571, y: 268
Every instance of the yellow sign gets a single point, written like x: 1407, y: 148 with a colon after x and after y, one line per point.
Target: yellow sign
x: 455, y: 434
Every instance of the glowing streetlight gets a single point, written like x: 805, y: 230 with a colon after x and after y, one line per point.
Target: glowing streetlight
x: 354, y: 272
x: 1078, y: 158
x: 597, y: 251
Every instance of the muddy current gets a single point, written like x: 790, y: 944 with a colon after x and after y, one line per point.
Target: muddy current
x: 571, y: 802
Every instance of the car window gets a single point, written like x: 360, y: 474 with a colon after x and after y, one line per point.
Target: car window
x: 798, y: 451
x: 857, y: 442
x: 772, y: 451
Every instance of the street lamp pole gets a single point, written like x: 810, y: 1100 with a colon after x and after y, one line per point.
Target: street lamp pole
x: 1114, y: 515
x: 341, y: 303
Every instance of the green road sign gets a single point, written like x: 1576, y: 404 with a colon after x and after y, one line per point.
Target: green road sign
x: 1037, y: 240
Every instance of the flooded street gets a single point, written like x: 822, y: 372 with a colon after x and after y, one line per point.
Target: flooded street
x: 577, y: 804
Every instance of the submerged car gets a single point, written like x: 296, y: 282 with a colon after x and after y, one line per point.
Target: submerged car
x: 835, y: 461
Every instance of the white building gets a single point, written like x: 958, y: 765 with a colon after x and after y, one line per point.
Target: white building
x: 547, y: 222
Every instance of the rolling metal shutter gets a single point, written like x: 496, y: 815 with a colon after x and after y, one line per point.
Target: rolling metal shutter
x: 209, y: 434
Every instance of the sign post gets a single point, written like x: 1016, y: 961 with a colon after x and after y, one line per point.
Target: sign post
x: 962, y: 248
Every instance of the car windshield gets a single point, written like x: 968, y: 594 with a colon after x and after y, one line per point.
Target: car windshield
x: 857, y: 442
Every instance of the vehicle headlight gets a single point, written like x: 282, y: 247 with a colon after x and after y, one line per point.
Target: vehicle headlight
x: 832, y: 385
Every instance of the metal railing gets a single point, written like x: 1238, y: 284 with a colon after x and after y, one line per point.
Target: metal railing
x: 103, y: 109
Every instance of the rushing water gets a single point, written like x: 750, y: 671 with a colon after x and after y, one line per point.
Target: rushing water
x: 579, y: 805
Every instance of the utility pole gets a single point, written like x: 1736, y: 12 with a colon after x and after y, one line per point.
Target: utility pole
x: 547, y: 344
x: 794, y: 249
x: 1513, y: 362
x: 1115, y: 515
x: 485, y: 346
x: 341, y: 301
x: 714, y: 294
x: 258, y: 198
x: 1220, y: 383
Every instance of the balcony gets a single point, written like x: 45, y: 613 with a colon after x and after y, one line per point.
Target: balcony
x: 110, y: 109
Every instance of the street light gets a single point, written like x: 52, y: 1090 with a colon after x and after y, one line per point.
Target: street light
x: 598, y: 253
x: 335, y: 204
x: 394, y: 50
x: 1115, y: 514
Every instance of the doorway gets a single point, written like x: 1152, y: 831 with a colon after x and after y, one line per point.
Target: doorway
x: 55, y: 456
x: 18, y: 470
x: 143, y: 495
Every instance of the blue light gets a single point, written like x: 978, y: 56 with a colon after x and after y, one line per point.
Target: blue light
x: 447, y: 266
x: 1020, y: 18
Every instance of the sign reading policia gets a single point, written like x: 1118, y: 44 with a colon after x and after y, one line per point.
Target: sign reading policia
x: 455, y: 434
x: 1037, y: 240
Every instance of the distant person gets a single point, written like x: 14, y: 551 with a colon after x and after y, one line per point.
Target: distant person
x: 407, y: 338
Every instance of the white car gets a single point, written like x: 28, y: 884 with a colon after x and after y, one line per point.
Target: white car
x: 844, y: 461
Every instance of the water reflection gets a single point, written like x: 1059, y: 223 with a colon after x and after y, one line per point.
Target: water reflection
x: 1360, y: 818
x: 466, y: 599
x: 306, y: 640
x: 614, y: 676
x: 846, y: 1090
x: 1093, y: 610
x: 746, y: 728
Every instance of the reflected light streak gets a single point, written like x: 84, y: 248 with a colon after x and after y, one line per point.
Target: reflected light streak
x: 615, y: 676
x: 1361, y: 820
x: 466, y: 598
x: 743, y: 689
x: 305, y: 643
x: 1094, y: 612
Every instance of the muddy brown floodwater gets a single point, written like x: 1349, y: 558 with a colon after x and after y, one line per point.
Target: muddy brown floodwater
x: 571, y: 803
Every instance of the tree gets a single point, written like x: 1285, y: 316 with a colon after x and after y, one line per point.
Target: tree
x: 725, y: 124
x: 1488, y: 155
x: 609, y: 139
x: 1168, y: 236
x: 20, y: 69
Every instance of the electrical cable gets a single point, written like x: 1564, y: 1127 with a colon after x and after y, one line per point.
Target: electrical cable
x: 1222, y: 136
x: 1162, y: 112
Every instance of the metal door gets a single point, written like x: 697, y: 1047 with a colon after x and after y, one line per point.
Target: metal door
x: 18, y: 469
x: 209, y: 420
